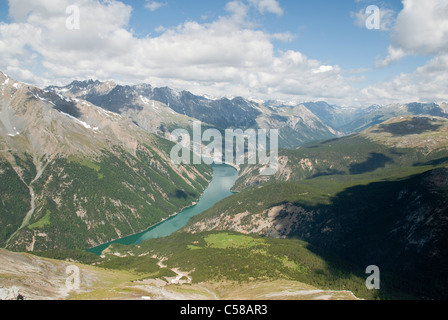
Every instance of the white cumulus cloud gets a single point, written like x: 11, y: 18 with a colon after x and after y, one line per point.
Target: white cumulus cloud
x: 154, y: 5
x: 421, y: 29
x: 270, y: 6
x: 228, y: 56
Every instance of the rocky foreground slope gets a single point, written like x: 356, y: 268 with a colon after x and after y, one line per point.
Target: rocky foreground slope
x: 36, y: 278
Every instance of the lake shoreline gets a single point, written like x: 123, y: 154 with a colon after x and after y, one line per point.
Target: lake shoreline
x: 218, y: 189
x: 108, y: 243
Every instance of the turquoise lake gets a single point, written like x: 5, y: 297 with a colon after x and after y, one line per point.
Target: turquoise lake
x: 224, y: 177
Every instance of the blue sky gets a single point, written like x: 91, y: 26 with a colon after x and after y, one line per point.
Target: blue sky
x: 322, y: 29
x: 280, y: 49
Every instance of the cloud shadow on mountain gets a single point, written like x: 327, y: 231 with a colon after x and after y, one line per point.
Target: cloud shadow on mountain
x: 408, y: 127
x: 329, y: 172
x: 375, y: 161
x: 431, y: 162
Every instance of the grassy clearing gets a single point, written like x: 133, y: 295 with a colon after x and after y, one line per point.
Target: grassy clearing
x: 44, y: 221
x: 225, y: 241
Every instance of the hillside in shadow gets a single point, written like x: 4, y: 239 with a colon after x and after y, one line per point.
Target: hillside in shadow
x: 400, y: 226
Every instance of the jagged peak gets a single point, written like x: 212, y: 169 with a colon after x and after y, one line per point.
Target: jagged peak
x: 85, y: 83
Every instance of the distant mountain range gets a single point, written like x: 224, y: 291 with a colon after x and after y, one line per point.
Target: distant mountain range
x: 159, y: 110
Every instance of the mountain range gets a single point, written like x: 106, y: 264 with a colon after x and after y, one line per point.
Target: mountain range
x: 89, y: 162
x: 75, y: 175
x: 160, y: 110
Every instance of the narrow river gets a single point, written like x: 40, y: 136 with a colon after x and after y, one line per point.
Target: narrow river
x: 224, y: 177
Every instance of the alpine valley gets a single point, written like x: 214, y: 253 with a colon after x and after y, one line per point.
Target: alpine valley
x: 87, y: 163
